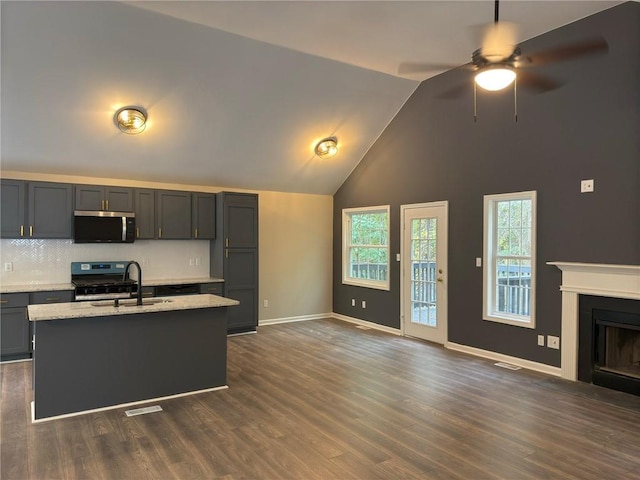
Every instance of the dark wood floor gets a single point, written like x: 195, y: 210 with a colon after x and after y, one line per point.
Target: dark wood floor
x: 326, y: 400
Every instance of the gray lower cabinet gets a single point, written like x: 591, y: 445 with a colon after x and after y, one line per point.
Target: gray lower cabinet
x: 212, y: 288
x: 14, y: 327
x: 36, y: 209
x: 97, y: 197
x: 16, y: 330
x: 144, y: 206
x: 173, y: 215
x: 234, y: 256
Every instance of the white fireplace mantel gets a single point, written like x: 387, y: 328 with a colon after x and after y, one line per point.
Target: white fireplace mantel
x: 618, y: 281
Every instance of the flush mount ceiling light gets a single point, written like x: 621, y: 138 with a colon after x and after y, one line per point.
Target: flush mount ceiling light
x: 327, y: 147
x: 131, y: 120
x: 495, y: 77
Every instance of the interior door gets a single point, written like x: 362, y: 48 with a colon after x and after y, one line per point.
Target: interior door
x: 424, y: 271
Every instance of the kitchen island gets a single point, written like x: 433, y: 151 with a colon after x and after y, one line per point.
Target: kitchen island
x: 95, y: 355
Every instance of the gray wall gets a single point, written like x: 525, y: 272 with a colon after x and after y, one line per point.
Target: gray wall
x: 432, y: 150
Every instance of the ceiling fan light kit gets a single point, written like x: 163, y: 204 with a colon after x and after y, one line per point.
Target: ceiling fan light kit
x: 495, y: 77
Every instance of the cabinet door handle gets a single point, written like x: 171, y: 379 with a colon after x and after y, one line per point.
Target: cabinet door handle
x: 4, y: 301
x: 226, y: 242
x: 160, y: 233
x: 53, y: 299
x: 101, y: 204
x: 137, y: 232
x: 196, y: 233
x: 226, y: 253
x: 106, y: 204
x: 31, y: 230
x: 22, y: 230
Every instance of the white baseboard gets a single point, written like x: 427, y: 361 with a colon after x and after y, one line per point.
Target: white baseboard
x: 520, y: 362
x: 301, y: 318
x: 16, y: 361
x: 364, y: 323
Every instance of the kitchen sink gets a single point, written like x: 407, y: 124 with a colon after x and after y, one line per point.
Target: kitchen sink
x: 130, y: 302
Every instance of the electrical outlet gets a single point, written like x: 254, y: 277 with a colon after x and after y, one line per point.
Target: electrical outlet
x: 586, y: 186
x: 541, y: 340
x: 553, y: 342
x: 478, y: 262
x: 397, y: 257
x: 197, y: 261
x: 8, y: 267
x: 353, y: 302
x: 265, y: 303
x: 364, y: 304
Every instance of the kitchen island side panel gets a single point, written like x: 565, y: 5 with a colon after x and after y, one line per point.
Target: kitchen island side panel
x: 93, y: 362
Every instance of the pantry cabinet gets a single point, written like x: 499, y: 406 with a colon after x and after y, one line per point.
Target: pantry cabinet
x: 234, y: 256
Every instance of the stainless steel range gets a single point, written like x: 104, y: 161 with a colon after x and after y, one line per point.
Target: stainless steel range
x: 102, y: 280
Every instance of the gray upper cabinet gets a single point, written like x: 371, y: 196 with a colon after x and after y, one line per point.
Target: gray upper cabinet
x: 96, y: 197
x: 49, y: 210
x: 14, y: 198
x: 203, y: 223
x: 145, y: 209
x: 173, y: 215
x: 36, y: 209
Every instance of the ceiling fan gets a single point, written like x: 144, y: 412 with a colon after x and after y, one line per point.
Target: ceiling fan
x: 499, y: 61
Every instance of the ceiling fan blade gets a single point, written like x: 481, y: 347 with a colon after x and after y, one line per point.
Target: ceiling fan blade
x: 456, y: 92
x: 537, y: 83
x: 590, y: 46
x: 421, y: 67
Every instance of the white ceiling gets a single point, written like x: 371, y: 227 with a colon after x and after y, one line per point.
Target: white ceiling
x: 237, y: 92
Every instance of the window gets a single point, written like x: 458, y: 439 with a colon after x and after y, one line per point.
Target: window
x: 509, y: 258
x: 365, y: 254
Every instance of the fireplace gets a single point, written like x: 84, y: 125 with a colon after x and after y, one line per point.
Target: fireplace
x: 581, y: 280
x: 609, y: 342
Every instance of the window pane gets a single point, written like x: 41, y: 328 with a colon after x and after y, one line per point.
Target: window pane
x: 511, y: 249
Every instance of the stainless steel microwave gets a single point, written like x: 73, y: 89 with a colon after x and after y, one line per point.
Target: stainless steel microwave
x: 91, y: 226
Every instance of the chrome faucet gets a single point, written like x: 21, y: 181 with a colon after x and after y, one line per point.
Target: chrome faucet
x: 124, y: 277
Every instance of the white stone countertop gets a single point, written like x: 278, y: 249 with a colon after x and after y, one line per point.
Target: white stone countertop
x: 41, y: 287
x: 44, y: 287
x: 105, y: 308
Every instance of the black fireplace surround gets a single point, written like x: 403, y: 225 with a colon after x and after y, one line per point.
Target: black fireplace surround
x: 609, y: 342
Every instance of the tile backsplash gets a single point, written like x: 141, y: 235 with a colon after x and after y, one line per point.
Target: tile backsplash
x: 49, y: 261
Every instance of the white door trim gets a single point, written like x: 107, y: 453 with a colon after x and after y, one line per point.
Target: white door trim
x: 403, y: 209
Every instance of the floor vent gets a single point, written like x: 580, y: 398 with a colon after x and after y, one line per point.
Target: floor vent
x: 143, y: 410
x: 507, y: 365
x: 362, y: 327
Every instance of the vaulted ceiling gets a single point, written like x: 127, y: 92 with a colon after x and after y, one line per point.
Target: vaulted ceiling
x: 237, y: 92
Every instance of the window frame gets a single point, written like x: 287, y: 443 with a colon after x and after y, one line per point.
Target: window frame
x: 347, y: 213
x: 489, y: 307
